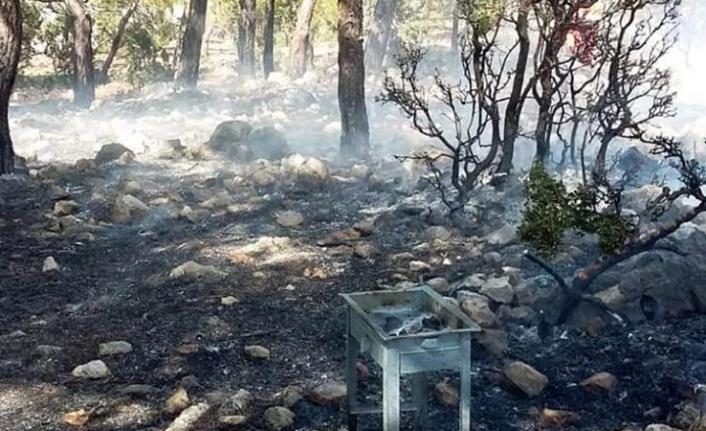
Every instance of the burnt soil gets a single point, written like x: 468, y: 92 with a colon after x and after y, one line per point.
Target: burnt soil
x: 101, y: 295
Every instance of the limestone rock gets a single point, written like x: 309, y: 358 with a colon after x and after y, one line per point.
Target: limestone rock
x: 91, y: 370
x: 419, y: 266
x: 478, y: 309
x: 194, y: 270
x: 189, y: 417
x: 256, y: 353
x: 329, y: 393
x: 302, y: 169
x: 437, y: 233
x: 446, y: 395
x: 601, y: 382
x: 167, y: 149
x: 279, y: 417
x: 58, y: 193
x: 77, y: 418
x: 558, y: 418
x: 229, y: 300
x: 499, y: 290
x: 237, y: 405
x: 291, y: 396
x: 526, y: 378
x: 128, y: 209
x: 64, y: 208
x: 439, y: 284
x: 503, y: 236
x: 134, y: 188
x: 114, y: 348
x: 178, y: 402
x: 50, y: 265
x: 290, y: 219
x: 365, y: 250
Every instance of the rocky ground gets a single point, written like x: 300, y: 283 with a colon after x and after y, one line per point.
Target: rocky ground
x: 173, y: 281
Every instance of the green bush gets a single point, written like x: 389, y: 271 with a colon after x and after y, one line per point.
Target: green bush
x: 551, y: 210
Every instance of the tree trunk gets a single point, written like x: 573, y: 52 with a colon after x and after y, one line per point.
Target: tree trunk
x: 246, y: 36
x: 268, y: 58
x: 187, y: 74
x: 117, y: 42
x: 82, y: 55
x: 379, y: 36
x: 355, y: 133
x: 516, y: 101
x: 10, y: 48
x: 180, y: 40
x: 301, y: 38
x: 454, y: 33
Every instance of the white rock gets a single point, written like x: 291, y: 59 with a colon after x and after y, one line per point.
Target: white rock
x: 91, y: 370
x: 50, y: 265
x: 114, y: 348
x: 229, y: 300
x: 419, y: 266
x: 290, y: 219
x: 502, y: 236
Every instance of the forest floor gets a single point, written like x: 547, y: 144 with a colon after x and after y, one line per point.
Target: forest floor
x: 117, y: 285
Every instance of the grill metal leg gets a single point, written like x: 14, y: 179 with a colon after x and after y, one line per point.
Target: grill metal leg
x: 391, y: 391
x: 419, y: 392
x: 352, y: 380
x: 465, y: 404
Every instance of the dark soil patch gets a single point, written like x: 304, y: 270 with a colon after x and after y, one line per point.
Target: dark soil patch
x: 101, y: 296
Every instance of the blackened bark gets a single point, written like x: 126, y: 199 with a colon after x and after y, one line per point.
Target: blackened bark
x: 246, y: 36
x: 516, y: 101
x: 301, y: 40
x: 268, y: 58
x: 82, y: 54
x: 117, y: 42
x: 10, y: 48
x: 355, y: 132
x: 187, y: 73
x: 379, y: 36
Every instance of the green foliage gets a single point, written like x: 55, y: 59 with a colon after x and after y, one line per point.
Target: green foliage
x: 146, y: 62
x: 482, y: 15
x: 551, y: 210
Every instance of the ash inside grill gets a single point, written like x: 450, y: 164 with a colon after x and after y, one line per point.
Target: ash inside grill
x: 405, y: 320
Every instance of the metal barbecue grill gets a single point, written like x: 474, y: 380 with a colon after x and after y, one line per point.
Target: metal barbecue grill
x: 411, y: 331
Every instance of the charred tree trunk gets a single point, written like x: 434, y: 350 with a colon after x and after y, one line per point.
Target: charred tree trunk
x: 187, y: 74
x: 117, y: 42
x: 246, y: 36
x: 379, y: 36
x: 355, y: 133
x: 516, y: 101
x: 10, y: 48
x: 268, y: 58
x: 82, y: 55
x: 301, y: 39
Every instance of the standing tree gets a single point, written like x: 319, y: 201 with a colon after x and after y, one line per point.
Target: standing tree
x: 301, y: 39
x: 82, y: 53
x: 187, y: 73
x: 10, y: 48
x: 246, y: 36
x: 268, y: 59
x: 379, y: 36
x: 117, y: 41
x: 355, y: 133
